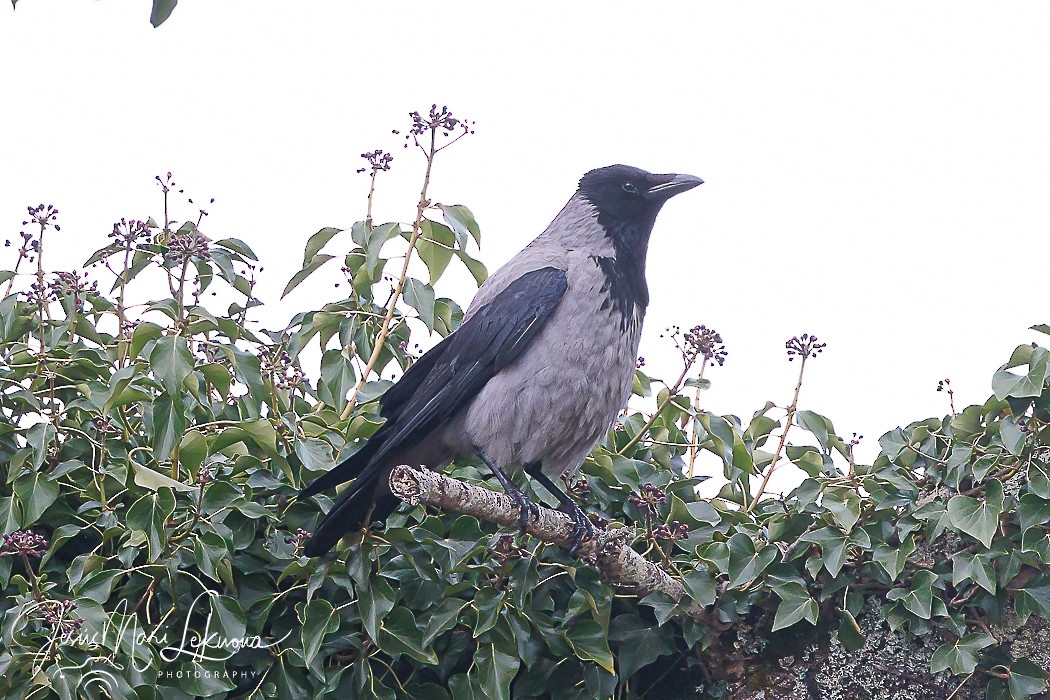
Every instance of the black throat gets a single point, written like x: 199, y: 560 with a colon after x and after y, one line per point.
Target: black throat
x: 625, y: 271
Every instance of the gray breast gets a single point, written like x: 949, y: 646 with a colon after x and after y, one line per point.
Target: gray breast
x: 559, y: 399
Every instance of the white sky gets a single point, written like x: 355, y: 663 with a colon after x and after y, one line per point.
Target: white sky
x: 876, y: 173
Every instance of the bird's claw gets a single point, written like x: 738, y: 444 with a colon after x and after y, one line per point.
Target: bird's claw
x: 582, y: 529
x: 525, y: 508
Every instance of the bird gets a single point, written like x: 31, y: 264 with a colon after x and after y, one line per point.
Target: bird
x: 537, y: 372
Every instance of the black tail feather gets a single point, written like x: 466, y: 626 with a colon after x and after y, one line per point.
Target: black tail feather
x: 358, y: 502
x: 346, y: 470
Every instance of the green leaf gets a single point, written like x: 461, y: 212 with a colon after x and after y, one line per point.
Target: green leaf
x: 400, y: 634
x: 1037, y: 541
x: 589, y: 641
x: 169, y: 423
x: 817, y: 424
x: 639, y: 643
x: 218, y: 376
x: 435, y: 246
x: 832, y: 546
x: 376, y: 239
x: 892, y: 558
x: 171, y: 361
x: 149, y: 479
x: 209, y: 551
x: 696, y: 514
x: 844, y: 505
x: 237, y: 246
x: 315, y: 454
x: 1005, y: 383
x: 148, y: 515
x: 974, y: 567
x: 35, y: 493
x: 443, y: 618
x: 1026, y: 679
x: 308, y: 269
x: 496, y: 669
x: 421, y: 297
x: 850, y: 634
x: 745, y: 562
x: 317, y: 618
x: 193, y: 448
x: 918, y: 599
x: 143, y: 333
x: 228, y: 620
x: 476, y: 268
x: 161, y: 11
x: 979, y: 519
x: 488, y: 602
x: 249, y: 372
x: 337, y: 377
x: 374, y: 602
x: 462, y: 221
x: 795, y: 605
x: 318, y: 241
x: 962, y: 655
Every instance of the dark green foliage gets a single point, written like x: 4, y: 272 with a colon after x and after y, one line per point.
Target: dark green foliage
x: 151, y: 461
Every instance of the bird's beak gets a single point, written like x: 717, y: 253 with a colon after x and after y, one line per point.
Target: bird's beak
x: 672, y: 184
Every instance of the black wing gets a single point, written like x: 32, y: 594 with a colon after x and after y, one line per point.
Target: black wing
x: 450, y: 375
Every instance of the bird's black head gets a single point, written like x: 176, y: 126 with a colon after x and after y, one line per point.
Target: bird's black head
x: 631, y: 197
x: 626, y: 201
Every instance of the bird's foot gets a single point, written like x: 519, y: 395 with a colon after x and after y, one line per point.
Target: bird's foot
x: 582, y: 530
x: 525, y: 507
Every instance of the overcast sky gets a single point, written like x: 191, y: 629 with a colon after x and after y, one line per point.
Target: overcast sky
x: 876, y: 173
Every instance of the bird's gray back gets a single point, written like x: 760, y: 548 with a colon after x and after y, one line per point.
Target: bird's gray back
x: 560, y: 397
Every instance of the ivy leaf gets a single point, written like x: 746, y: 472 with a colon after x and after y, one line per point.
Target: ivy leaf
x: 796, y: 605
x: 152, y: 480
x: 918, y: 599
x: 639, y: 644
x: 589, y: 641
x: 462, y: 222
x: 850, y: 634
x: 237, y: 246
x: 308, y: 269
x: 337, y: 377
x: 435, y: 246
x: 974, y: 567
x: 892, y: 559
x: 169, y: 423
x: 316, y: 242
x: 374, y: 602
x: 35, y: 493
x: 1005, y: 383
x: 844, y: 505
x: 1026, y: 679
x: 148, y: 515
x: 496, y: 669
x: 962, y: 655
x: 171, y: 361
x: 400, y: 634
x: 977, y: 518
x: 161, y: 11
x: 421, y: 297
x: 746, y: 563
x: 317, y: 618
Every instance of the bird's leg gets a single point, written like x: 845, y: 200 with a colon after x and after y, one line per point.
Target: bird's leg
x: 582, y: 530
x: 525, y: 505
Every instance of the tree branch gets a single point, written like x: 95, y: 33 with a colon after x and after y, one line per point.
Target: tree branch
x: 609, y: 551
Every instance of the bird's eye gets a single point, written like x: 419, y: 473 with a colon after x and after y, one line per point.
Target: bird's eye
x: 629, y: 187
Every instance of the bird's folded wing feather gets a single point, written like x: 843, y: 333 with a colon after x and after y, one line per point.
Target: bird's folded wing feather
x: 450, y: 375
x: 494, y: 337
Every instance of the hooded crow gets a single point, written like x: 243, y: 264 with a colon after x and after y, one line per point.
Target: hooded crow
x: 537, y: 372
